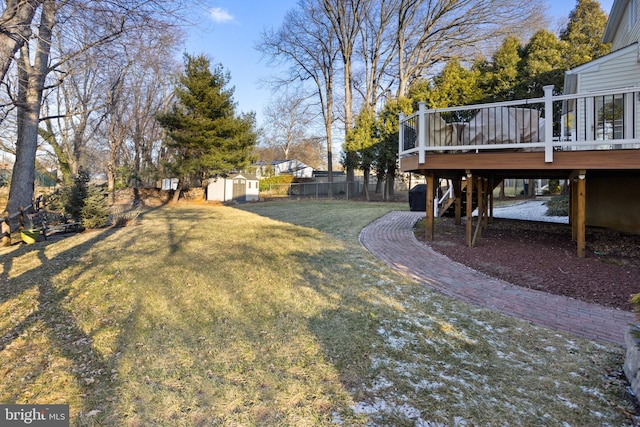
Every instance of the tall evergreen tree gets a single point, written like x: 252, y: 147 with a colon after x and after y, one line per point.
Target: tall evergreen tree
x: 360, y: 144
x: 504, y: 73
x: 205, y: 135
x: 583, y: 34
x: 543, y: 63
x: 455, y: 85
x: 386, y: 150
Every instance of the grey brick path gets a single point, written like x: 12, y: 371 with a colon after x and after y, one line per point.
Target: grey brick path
x: 391, y: 239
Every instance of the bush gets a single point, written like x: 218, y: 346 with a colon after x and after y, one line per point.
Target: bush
x: 95, y: 211
x: 558, y: 206
x: 635, y: 300
x: 81, y: 202
x: 281, y: 180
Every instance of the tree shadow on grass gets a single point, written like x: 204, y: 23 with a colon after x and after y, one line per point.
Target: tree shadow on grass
x: 46, y: 321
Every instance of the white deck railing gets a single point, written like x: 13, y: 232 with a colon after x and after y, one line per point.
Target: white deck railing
x: 603, y: 120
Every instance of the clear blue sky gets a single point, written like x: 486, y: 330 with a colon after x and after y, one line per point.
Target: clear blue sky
x: 230, y: 31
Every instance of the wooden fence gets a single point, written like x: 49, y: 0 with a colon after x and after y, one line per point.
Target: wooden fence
x: 15, y: 222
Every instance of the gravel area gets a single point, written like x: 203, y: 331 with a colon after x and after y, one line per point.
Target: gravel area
x: 527, y: 248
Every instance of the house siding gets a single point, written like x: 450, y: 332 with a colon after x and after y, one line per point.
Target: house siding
x: 620, y: 72
x: 623, y: 71
x: 627, y: 32
x: 613, y: 202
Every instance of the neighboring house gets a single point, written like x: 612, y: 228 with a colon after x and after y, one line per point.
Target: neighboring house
x: 295, y: 168
x: 590, y: 136
x: 241, y: 187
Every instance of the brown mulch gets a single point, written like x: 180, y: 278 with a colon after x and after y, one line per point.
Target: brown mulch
x: 542, y: 256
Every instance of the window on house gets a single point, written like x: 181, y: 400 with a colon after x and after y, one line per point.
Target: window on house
x: 609, y: 117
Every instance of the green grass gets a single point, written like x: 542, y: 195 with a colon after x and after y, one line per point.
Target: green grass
x: 273, y: 314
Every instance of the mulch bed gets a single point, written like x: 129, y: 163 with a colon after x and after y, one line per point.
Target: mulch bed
x: 542, y: 256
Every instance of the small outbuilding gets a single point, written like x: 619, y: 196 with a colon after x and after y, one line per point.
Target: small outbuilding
x: 241, y: 187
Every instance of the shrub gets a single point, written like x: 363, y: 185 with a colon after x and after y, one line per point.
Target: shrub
x: 95, y: 209
x: 558, y: 206
x: 635, y: 300
x: 81, y: 202
x: 281, y: 180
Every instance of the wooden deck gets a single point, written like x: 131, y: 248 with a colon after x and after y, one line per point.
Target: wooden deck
x: 478, y: 146
x: 511, y: 164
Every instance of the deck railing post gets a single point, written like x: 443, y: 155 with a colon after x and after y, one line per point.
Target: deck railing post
x: 422, y: 131
x: 548, y: 123
x: 401, y: 118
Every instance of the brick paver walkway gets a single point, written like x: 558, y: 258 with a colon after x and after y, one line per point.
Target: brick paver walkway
x: 391, y: 239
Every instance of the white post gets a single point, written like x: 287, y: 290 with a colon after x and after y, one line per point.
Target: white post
x: 422, y: 131
x: 401, y: 118
x: 548, y: 123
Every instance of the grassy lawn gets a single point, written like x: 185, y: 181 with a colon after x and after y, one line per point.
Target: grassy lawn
x: 273, y: 314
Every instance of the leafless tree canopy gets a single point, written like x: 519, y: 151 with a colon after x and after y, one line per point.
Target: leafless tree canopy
x: 369, y: 51
x: 72, y: 59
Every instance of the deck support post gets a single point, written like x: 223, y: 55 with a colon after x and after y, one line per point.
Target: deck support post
x: 485, y: 202
x: 581, y: 213
x: 457, y: 190
x: 480, y: 197
x: 430, y: 213
x: 577, y: 210
x: 469, y: 210
x: 491, y: 187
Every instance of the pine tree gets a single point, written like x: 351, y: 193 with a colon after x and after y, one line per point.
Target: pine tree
x: 205, y: 135
x: 543, y: 63
x: 504, y: 73
x: 95, y: 210
x: 583, y: 35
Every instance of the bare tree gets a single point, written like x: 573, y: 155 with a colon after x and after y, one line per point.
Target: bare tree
x: 73, y: 112
x: 287, y: 119
x: 345, y: 17
x: 376, y: 51
x: 15, y: 29
x: 429, y: 32
x: 307, y: 43
x: 87, y: 25
x: 31, y: 81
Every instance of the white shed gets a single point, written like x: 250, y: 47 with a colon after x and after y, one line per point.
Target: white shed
x: 241, y: 187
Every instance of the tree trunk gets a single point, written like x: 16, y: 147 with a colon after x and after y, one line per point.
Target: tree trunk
x: 111, y: 177
x: 367, y: 175
x: 178, y: 190
x: 15, y: 23
x: 30, y: 88
x: 389, y: 184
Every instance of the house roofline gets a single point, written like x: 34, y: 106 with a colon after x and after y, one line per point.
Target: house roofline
x: 570, y: 76
x: 615, y: 17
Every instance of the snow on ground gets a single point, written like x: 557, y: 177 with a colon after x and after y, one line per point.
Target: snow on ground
x: 530, y: 210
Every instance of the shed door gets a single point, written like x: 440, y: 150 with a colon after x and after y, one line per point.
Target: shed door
x: 240, y: 189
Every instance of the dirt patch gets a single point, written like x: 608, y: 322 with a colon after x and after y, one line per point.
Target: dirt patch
x: 542, y: 256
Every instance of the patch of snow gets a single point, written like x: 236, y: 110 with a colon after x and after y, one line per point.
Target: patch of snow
x: 567, y: 402
x: 531, y: 210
